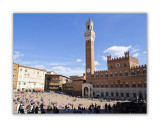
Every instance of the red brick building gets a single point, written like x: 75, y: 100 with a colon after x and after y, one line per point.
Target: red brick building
x: 124, y: 79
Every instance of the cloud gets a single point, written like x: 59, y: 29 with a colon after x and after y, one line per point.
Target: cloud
x: 57, y: 63
x: 78, y: 60
x: 144, y: 52
x: 39, y: 66
x: 136, y: 55
x: 96, y: 63
x: 17, y: 54
x: 134, y: 50
x: 117, y: 51
x: 104, y: 58
x: 68, y: 71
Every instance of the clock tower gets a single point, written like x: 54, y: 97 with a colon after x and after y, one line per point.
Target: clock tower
x: 89, y: 37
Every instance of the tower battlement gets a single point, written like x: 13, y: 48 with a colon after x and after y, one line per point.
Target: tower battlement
x: 126, y: 56
x: 140, y: 66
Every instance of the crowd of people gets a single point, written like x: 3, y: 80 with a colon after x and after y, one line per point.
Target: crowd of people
x: 31, y: 105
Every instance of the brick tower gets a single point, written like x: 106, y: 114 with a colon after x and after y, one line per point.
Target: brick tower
x: 89, y: 36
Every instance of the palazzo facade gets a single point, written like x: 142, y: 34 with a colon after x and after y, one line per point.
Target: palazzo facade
x: 125, y: 79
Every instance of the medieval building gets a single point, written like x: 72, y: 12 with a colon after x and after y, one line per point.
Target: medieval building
x: 125, y: 79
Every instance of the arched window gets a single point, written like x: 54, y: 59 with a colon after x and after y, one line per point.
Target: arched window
x: 145, y: 85
x: 102, y: 94
x: 127, y: 94
x: 134, y: 95
x: 133, y: 85
x: 116, y: 74
x: 106, y: 93
x: 132, y: 73
x: 101, y: 75
x: 106, y: 75
x: 138, y: 72
x: 97, y: 76
x: 144, y: 72
x: 122, y: 94
x: 111, y: 75
x: 139, y: 85
x: 126, y: 73
x: 120, y: 74
x: 106, y: 85
x: 116, y: 85
x: 126, y: 85
x: 112, y: 94
x: 101, y: 85
x: 97, y: 86
x: 112, y: 86
x: 117, y: 94
x: 121, y: 85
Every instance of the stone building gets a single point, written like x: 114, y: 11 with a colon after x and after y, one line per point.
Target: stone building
x: 30, y: 79
x: 54, y: 82
x: 74, y: 85
x: 77, y: 87
x: 68, y: 87
x: 15, y: 75
x: 124, y: 79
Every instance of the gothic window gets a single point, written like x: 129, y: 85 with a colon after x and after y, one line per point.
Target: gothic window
x: 122, y: 94
x: 133, y: 85
x: 101, y: 75
x: 134, y: 95
x: 112, y: 86
x: 126, y: 85
x: 120, y: 74
x: 132, y: 73
x: 117, y: 94
x: 97, y: 76
x: 144, y: 72
x: 107, y: 94
x: 145, y: 85
x: 127, y: 94
x: 138, y: 72
x: 102, y: 86
x: 126, y: 73
x: 116, y: 85
x: 121, y: 85
x: 102, y: 94
x: 116, y: 74
x: 139, y: 85
x: 106, y: 75
x: 97, y: 86
x: 106, y: 86
x: 111, y: 75
x: 112, y: 94
x: 125, y: 65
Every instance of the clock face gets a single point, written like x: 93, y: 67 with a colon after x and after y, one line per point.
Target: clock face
x: 117, y: 64
x: 88, y: 70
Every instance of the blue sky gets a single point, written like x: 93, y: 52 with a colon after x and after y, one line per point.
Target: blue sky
x: 56, y: 41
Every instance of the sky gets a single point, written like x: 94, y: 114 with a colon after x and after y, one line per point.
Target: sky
x: 56, y: 42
